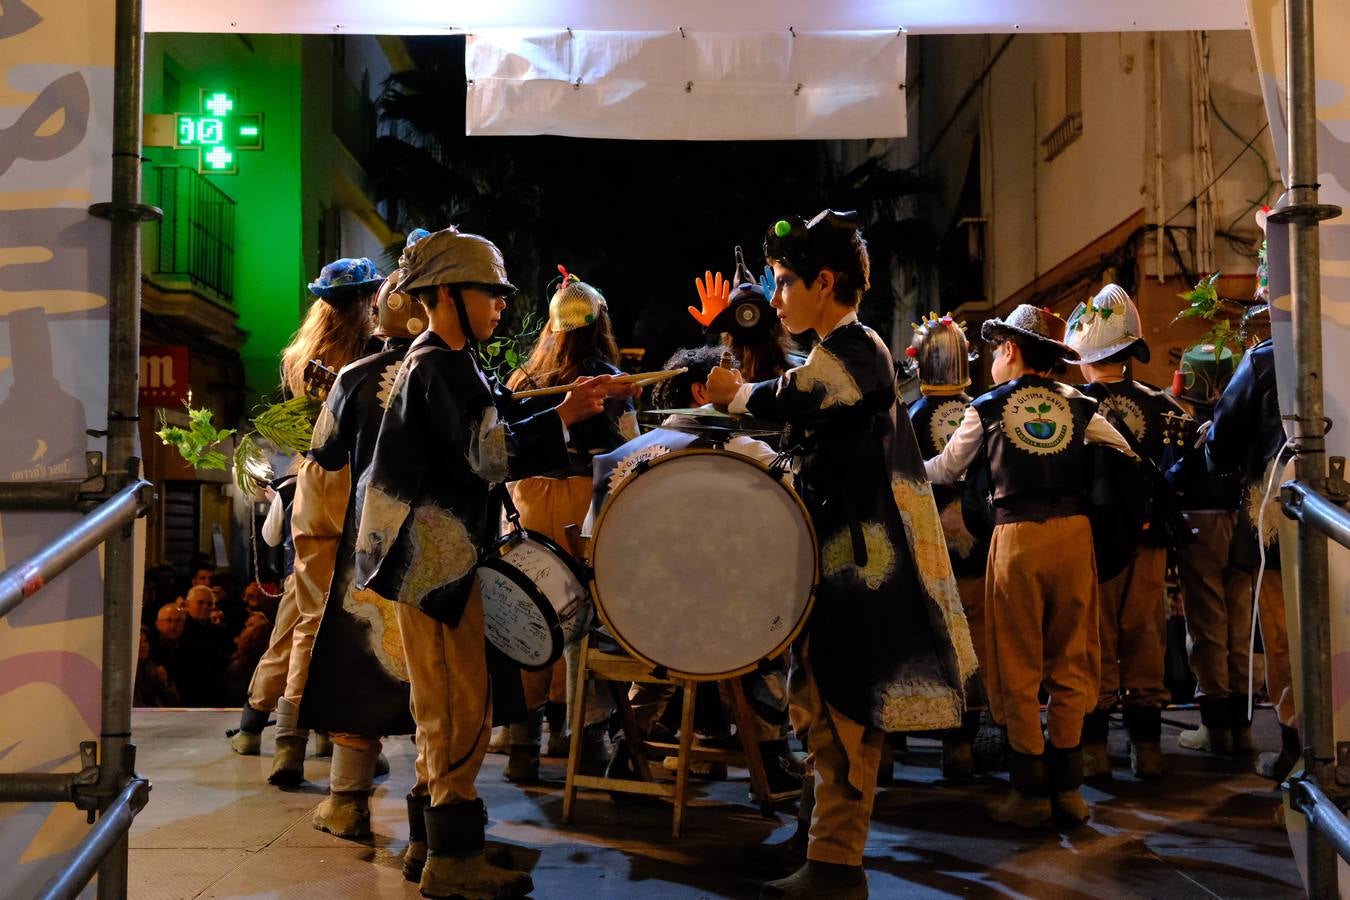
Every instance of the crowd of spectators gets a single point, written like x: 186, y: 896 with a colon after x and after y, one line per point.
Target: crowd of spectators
x: 200, y: 636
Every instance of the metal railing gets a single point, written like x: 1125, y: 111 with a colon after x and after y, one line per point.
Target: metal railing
x: 196, y: 235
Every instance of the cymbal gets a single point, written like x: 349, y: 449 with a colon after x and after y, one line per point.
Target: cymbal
x: 702, y: 412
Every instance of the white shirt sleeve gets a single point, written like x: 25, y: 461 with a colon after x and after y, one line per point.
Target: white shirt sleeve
x: 1100, y: 431
x: 275, y: 523
x: 740, y: 404
x: 960, y: 452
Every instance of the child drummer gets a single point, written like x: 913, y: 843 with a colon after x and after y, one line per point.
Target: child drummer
x: 887, y: 647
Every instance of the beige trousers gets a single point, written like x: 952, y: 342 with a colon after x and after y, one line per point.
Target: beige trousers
x: 451, y: 699
x: 316, y: 528
x: 846, y: 757
x: 1041, y: 604
x: 1133, y: 633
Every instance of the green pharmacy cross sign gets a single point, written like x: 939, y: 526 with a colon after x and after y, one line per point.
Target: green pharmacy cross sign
x: 218, y: 133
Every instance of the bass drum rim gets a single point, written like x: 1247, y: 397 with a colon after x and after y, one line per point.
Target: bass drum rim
x: 495, y: 562
x: 792, y: 634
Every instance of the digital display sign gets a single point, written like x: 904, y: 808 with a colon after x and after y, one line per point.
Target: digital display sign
x: 218, y: 132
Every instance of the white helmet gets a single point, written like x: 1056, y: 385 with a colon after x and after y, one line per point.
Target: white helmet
x: 1105, y: 326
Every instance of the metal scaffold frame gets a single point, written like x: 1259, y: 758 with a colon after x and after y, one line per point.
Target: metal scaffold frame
x: 107, y: 783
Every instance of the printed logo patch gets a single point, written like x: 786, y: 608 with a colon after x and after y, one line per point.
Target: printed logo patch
x: 946, y: 418
x: 1038, y: 420
x: 1129, y: 413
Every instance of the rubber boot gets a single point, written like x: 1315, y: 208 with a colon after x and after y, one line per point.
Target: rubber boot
x: 820, y: 879
x: 778, y: 766
x: 1096, y: 733
x: 522, y: 766
x: 500, y: 741
x: 594, y: 753
x: 558, y: 744
x: 288, y: 762
x: 1144, y: 723
x: 1027, y: 804
x: 1277, y: 766
x: 456, y: 866
x: 346, y: 812
x: 246, y: 740
x: 1215, y: 732
x: 323, y: 745
x: 958, y: 747
x: 415, y: 854
x: 788, y: 855
x: 1066, y: 779
x: 1242, y: 724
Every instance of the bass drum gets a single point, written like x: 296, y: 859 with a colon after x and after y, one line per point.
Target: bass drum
x: 705, y: 564
x: 534, y: 598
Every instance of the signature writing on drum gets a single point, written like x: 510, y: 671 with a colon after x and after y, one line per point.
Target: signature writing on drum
x: 776, y: 624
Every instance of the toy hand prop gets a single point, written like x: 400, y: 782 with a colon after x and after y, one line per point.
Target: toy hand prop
x: 714, y: 292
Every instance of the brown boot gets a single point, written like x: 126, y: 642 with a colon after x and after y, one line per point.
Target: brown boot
x: 820, y: 879
x: 1066, y: 777
x: 1027, y: 804
x: 558, y: 744
x: 288, y: 762
x: 415, y: 856
x: 1096, y: 734
x: 1144, y: 723
x: 345, y: 815
x: 522, y: 766
x: 456, y: 866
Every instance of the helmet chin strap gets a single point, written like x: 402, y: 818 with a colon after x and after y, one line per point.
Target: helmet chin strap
x: 470, y: 339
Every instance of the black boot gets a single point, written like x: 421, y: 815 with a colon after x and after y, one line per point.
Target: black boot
x: 1215, y: 734
x: 788, y: 855
x: 246, y: 740
x: 1066, y: 779
x: 1096, y: 733
x: 455, y: 864
x: 1241, y: 724
x: 1028, y: 803
x: 779, y: 764
x: 820, y: 879
x: 958, y: 747
x: 1144, y: 723
x: 415, y: 856
x: 1277, y: 766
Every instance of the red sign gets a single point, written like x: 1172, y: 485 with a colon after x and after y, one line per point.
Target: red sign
x: 164, y: 375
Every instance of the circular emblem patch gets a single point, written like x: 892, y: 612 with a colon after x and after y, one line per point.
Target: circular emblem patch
x: 1038, y: 420
x: 1129, y: 413
x: 946, y: 418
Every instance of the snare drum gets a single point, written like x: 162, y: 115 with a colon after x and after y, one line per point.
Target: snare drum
x: 534, y: 598
x: 705, y: 564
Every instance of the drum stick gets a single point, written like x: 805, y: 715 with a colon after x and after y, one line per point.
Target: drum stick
x: 642, y: 378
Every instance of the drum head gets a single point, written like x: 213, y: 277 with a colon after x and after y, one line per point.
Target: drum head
x: 704, y: 564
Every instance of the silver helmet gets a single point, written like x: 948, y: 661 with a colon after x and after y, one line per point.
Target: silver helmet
x: 939, y: 354
x: 1106, y: 325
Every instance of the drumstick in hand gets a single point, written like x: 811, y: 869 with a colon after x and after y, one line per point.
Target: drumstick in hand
x: 642, y: 378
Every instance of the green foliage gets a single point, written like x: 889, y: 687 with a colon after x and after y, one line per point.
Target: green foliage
x: 505, y: 354
x: 1203, y: 302
x: 289, y: 425
x: 252, y: 470
x: 197, y: 443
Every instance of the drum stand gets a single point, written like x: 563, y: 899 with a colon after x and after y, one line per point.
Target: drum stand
x: 619, y: 670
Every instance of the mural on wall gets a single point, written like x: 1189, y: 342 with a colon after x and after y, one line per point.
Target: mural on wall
x: 56, y: 59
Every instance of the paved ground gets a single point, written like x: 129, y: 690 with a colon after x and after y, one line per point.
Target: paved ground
x: 214, y: 828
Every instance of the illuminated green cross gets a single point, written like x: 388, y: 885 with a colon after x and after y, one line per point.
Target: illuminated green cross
x: 218, y: 133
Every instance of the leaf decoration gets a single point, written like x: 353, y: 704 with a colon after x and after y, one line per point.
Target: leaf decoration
x: 289, y: 425
x: 1043, y: 408
x: 197, y: 443
x: 252, y: 469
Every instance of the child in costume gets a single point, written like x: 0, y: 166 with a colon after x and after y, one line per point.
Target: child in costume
x: 887, y: 646
x: 1106, y: 334
x: 739, y: 310
x: 1041, y: 598
x: 577, y: 340
x: 940, y: 356
x: 449, y: 435
x: 336, y: 331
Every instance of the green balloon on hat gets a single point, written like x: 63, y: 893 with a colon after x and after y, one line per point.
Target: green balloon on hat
x: 782, y: 228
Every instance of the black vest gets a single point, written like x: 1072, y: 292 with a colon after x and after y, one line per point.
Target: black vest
x: 935, y: 420
x: 1160, y: 429
x: 1034, y: 431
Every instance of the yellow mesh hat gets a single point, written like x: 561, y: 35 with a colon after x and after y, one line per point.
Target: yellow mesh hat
x: 575, y: 304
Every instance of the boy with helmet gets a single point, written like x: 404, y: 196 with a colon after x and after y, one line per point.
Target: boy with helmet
x: 1106, y: 334
x: 1041, y: 581
x: 941, y: 356
x: 450, y: 434
x: 887, y: 647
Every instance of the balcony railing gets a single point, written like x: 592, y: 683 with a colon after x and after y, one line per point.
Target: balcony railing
x: 195, y: 239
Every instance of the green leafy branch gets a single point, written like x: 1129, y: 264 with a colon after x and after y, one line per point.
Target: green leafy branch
x: 505, y: 354
x: 1203, y: 302
x: 197, y: 443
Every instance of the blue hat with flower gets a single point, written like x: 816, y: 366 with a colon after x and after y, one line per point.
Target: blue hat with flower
x: 346, y: 278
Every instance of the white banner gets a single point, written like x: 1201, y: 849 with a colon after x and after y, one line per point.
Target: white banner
x: 685, y: 85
